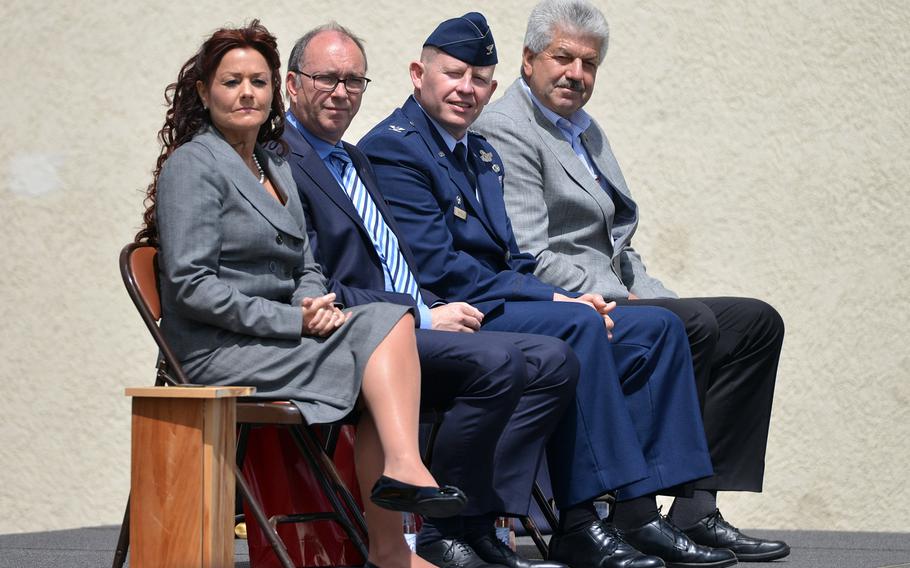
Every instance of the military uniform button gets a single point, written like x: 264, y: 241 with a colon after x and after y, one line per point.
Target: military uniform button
x: 279, y: 239
x: 272, y: 266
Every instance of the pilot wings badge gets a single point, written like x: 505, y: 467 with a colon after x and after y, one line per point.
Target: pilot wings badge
x: 395, y: 128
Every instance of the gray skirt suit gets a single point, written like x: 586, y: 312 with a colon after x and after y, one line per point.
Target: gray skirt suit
x: 235, y: 265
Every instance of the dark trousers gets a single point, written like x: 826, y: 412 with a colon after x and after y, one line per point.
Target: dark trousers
x: 505, y: 393
x: 635, y: 424
x: 736, y: 344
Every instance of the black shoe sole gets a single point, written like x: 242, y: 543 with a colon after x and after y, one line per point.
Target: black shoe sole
x: 767, y: 556
x: 439, y: 508
x: 718, y: 564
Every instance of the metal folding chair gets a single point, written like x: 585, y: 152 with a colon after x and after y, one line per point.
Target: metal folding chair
x: 138, y: 268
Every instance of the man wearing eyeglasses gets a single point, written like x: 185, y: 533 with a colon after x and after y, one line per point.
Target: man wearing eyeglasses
x: 497, y: 387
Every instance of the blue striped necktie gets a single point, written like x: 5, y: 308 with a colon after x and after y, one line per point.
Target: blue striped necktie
x: 383, y: 238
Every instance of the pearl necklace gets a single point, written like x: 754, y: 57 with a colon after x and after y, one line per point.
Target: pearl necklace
x: 258, y: 167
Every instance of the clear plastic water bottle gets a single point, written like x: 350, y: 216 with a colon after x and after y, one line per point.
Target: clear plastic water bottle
x: 409, y: 527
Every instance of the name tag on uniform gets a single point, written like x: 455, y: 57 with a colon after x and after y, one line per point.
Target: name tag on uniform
x: 459, y: 212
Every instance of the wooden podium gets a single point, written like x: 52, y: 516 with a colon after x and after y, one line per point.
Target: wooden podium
x: 182, y: 476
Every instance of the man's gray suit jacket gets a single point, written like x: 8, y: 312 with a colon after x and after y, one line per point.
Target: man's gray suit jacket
x: 559, y: 212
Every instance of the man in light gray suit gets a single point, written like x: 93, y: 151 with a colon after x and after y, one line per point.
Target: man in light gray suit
x: 570, y: 206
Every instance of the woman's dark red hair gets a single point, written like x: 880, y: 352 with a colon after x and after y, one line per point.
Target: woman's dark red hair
x: 186, y: 115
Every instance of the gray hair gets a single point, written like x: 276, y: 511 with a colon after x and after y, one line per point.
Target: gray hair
x: 295, y: 61
x: 573, y: 16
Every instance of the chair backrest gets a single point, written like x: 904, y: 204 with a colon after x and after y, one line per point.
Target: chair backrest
x: 139, y: 270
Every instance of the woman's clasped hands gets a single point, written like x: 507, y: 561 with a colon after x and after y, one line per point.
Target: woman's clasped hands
x: 321, y: 317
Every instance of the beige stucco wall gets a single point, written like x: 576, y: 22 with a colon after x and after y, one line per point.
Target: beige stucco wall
x: 766, y: 142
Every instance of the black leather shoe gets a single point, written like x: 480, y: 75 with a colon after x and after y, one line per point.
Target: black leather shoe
x: 494, y: 551
x: 452, y: 553
x: 438, y: 502
x: 598, y: 546
x: 714, y: 531
x: 662, y: 538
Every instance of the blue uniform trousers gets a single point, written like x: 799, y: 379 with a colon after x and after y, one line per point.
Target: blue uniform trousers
x: 635, y: 426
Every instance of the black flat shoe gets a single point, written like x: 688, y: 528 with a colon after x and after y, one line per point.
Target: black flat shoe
x: 493, y: 551
x: 437, y: 502
x: 714, y: 531
x: 598, y: 545
x: 452, y: 553
x: 662, y: 538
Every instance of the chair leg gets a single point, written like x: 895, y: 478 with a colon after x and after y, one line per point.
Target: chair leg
x: 270, y: 534
x: 123, y: 542
x: 333, y: 487
x: 534, y: 532
x: 545, y: 506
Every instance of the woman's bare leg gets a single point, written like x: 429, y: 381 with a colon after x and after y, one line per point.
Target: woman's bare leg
x: 391, y: 394
x: 388, y: 548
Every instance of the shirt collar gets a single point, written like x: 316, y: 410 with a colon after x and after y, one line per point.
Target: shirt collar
x: 323, y: 148
x: 579, y: 121
x: 446, y: 137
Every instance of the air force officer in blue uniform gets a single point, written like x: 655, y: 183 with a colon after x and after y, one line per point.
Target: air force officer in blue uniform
x: 635, y: 426
x: 493, y: 381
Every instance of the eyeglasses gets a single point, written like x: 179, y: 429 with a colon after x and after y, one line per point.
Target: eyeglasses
x: 327, y: 83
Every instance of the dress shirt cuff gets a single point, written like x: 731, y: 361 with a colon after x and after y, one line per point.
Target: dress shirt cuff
x: 426, y: 319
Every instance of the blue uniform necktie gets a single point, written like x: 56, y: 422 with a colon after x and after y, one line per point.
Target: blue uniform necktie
x: 386, y: 242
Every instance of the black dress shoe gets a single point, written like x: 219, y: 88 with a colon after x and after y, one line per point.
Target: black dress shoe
x: 494, y: 551
x: 714, y: 531
x: 662, y: 538
x: 438, y: 502
x: 452, y: 553
x: 598, y: 546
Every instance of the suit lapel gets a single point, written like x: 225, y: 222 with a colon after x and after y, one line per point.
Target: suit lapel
x: 248, y: 186
x: 445, y: 159
x: 313, y: 166
x: 625, y: 211
x: 490, y: 188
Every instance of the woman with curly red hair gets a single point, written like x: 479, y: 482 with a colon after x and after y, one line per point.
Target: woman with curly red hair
x: 244, y: 303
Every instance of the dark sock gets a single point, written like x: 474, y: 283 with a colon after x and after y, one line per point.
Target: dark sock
x: 476, y: 526
x: 435, y: 529
x: 687, y: 511
x: 577, y: 517
x: 635, y: 512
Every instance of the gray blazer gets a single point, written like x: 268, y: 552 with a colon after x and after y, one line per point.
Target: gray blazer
x: 235, y: 265
x: 558, y: 211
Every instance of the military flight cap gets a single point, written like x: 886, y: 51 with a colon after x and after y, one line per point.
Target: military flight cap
x: 467, y: 38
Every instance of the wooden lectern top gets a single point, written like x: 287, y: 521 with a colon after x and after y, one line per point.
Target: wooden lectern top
x: 189, y: 391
